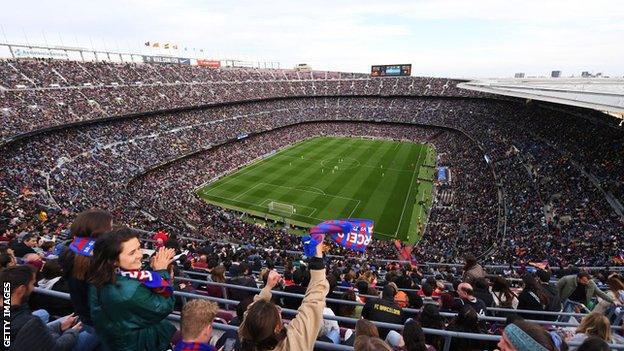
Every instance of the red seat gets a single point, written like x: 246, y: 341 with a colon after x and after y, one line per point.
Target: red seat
x: 227, y: 316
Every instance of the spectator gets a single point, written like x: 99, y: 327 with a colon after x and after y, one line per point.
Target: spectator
x: 34, y: 260
x: 28, y: 332
x: 526, y: 336
x: 329, y: 331
x: 362, y: 289
x: 52, y: 279
x: 362, y: 327
x: 467, y: 321
x: 447, y: 302
x: 593, y: 343
x: 349, y: 310
x: 532, y: 298
x: 427, y: 291
x: 301, y: 278
x: 240, y: 311
x: 27, y: 245
x: 472, y: 270
x: 333, y: 284
x: 467, y: 298
x: 430, y: 318
x: 482, y: 291
x: 615, y: 292
x: 218, y: 276
x: 411, y: 339
x: 7, y: 259
x: 240, y: 275
x: 47, y: 248
x: 595, y: 324
x: 128, y: 305
x: 262, y: 328
x: 196, y: 326
x: 384, y: 309
x: 580, y: 288
x: 160, y: 238
x: 367, y: 343
x: 502, y: 294
x: 550, y: 289
x: 77, y: 263
x: 201, y: 263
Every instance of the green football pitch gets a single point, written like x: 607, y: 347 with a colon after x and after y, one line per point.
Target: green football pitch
x: 325, y: 178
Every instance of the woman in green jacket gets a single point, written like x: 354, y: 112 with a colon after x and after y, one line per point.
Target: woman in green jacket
x: 129, y: 305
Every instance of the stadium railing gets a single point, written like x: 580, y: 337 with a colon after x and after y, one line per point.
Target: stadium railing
x: 447, y: 335
x: 494, y: 309
x: 387, y: 260
x: 410, y: 310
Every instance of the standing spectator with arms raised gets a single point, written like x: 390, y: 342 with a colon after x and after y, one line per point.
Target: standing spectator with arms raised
x: 263, y: 329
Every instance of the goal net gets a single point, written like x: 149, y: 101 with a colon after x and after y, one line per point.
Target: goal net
x: 281, y: 208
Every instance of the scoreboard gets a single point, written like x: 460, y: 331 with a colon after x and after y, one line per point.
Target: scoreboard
x: 391, y: 70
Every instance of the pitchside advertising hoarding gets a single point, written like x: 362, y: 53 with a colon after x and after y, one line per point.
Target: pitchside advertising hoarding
x: 391, y: 70
x: 166, y: 59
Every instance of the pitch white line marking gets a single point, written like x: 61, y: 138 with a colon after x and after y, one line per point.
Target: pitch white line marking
x: 408, y: 194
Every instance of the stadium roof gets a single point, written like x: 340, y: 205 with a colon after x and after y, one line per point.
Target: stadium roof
x: 604, y: 94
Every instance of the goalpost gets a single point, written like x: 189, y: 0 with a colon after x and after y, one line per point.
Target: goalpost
x: 281, y: 208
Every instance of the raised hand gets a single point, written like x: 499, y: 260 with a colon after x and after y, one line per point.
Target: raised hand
x: 273, y: 279
x: 162, y: 258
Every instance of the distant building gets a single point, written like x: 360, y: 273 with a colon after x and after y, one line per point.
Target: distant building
x: 585, y: 74
x: 555, y: 74
x: 519, y: 75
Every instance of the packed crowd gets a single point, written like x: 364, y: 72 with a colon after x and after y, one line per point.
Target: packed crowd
x: 132, y: 290
x: 36, y: 94
x: 552, y: 211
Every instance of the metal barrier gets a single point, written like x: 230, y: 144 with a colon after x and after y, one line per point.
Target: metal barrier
x: 447, y: 335
x: 410, y: 310
x: 424, y: 264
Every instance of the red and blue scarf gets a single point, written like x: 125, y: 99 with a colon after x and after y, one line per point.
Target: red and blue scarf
x: 82, y: 246
x: 151, y: 280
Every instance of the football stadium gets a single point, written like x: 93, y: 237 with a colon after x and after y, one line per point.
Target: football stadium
x: 424, y: 175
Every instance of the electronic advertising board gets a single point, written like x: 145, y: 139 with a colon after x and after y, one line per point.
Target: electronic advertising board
x: 391, y: 70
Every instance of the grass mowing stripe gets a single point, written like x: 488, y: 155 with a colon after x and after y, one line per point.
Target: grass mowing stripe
x: 216, y: 187
x: 285, y: 177
x: 321, y: 180
x: 372, y: 186
x: 296, y: 174
x: 409, y: 201
x: 388, y: 193
x: 274, y: 174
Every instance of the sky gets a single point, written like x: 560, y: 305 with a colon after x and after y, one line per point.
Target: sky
x: 442, y: 38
